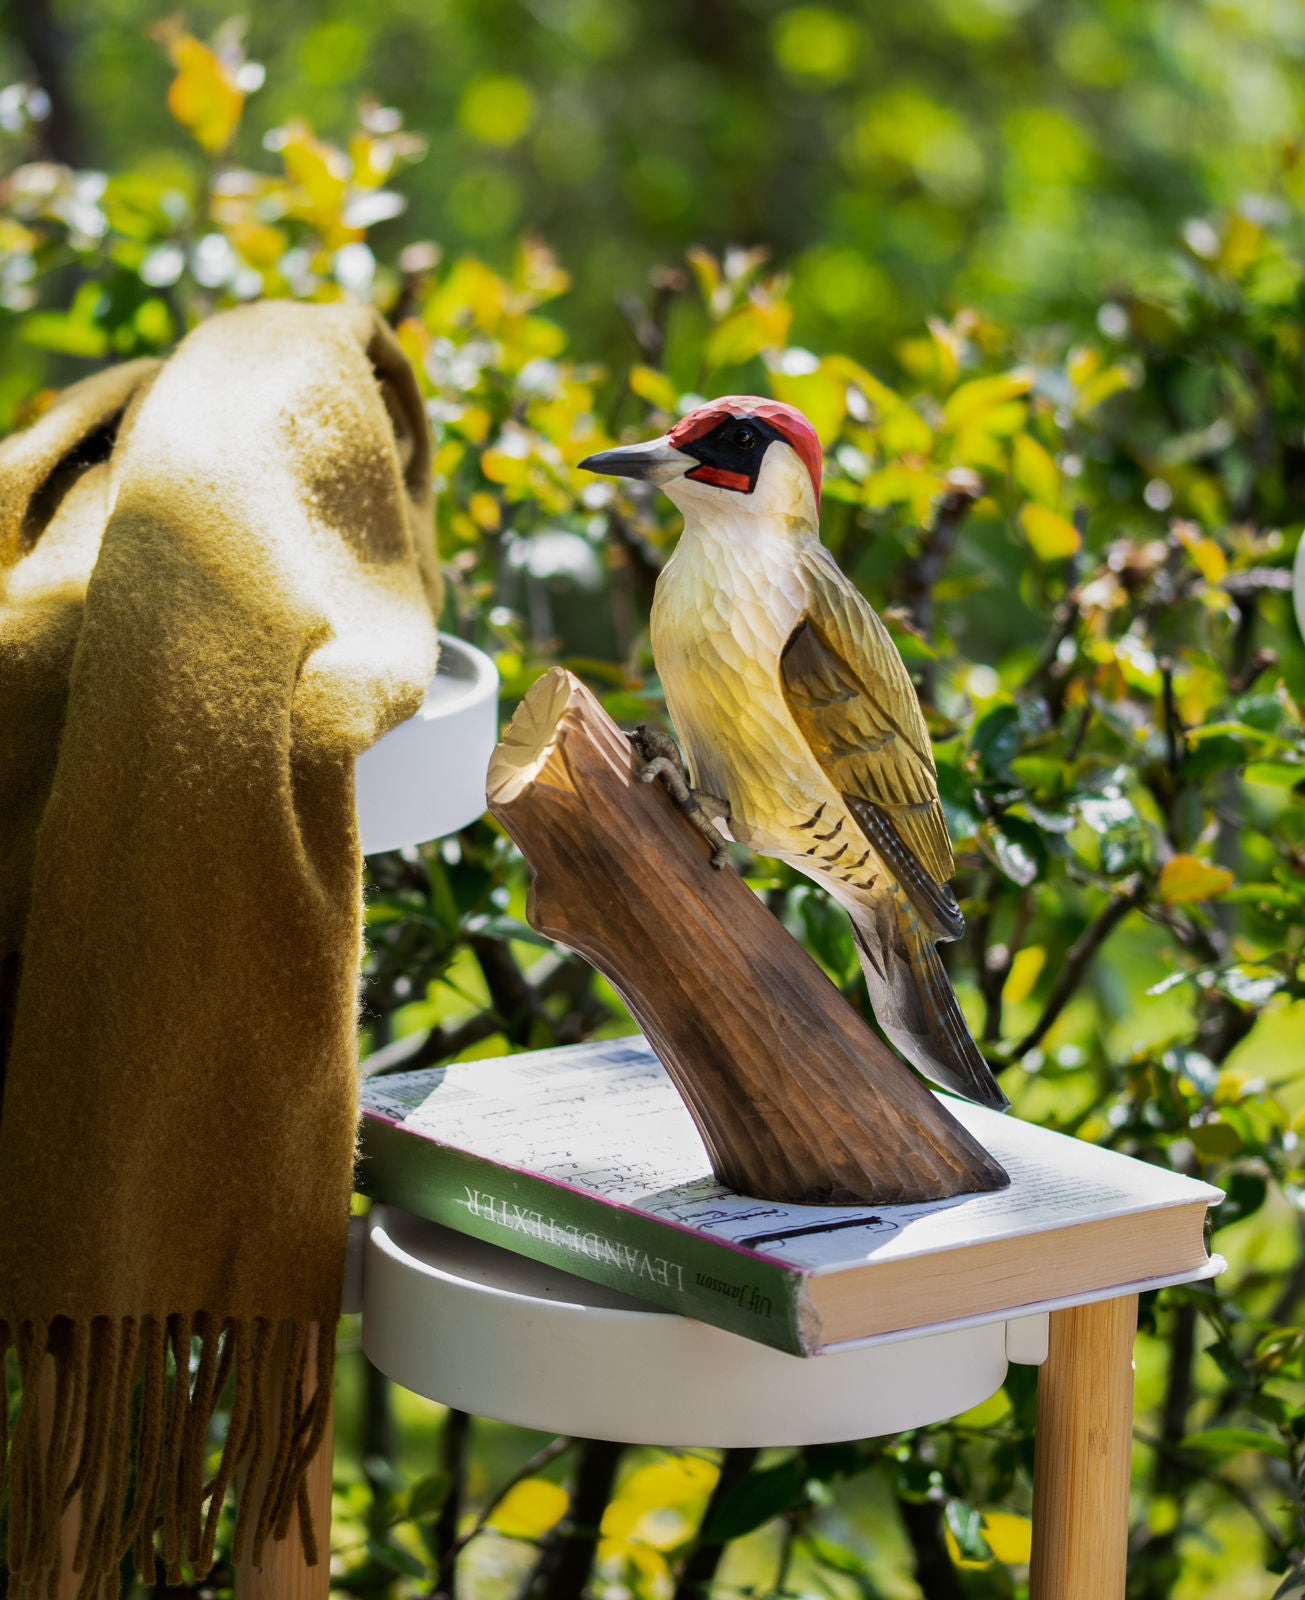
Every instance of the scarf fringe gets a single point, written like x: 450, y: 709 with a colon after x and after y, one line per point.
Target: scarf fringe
x: 142, y: 1486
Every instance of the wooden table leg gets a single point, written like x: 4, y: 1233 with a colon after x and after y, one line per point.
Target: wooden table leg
x: 284, y: 1574
x: 1082, y: 1453
x: 70, y: 1526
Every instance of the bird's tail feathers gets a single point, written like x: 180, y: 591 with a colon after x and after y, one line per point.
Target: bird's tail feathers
x: 914, y: 1002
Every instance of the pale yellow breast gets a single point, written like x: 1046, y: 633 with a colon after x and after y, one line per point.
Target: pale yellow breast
x: 724, y: 609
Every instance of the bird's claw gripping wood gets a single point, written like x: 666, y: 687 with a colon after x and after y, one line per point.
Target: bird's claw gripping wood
x: 661, y: 758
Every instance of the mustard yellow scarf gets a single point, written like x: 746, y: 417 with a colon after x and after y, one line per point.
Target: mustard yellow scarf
x: 216, y: 586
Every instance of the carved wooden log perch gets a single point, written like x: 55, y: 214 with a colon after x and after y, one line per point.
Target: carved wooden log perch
x: 796, y: 1098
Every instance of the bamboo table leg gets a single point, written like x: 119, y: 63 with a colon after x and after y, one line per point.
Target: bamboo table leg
x: 284, y: 1574
x: 1081, y: 1460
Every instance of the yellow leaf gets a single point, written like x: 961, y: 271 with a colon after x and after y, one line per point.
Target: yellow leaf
x: 530, y: 1509
x: 501, y: 467
x: 899, y: 484
x: 904, y: 432
x: 447, y: 458
x: 474, y: 423
x: 880, y: 396
x: 1035, y: 470
x: 483, y: 509
x: 958, y: 1559
x: 1099, y: 389
x: 1010, y: 1538
x: 821, y: 396
x: 258, y: 242
x: 318, y: 170
x: 1024, y: 971
x: 1240, y: 246
x: 654, y: 387
x: 373, y: 160
x: 1185, y: 878
x: 677, y: 1481
x: 472, y: 292
x: 1052, y: 536
x: 747, y: 332
x: 1081, y: 363
x: 1208, y: 559
x: 203, y: 96
x: 982, y: 394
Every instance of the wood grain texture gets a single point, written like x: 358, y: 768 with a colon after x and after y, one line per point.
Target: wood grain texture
x: 1082, y: 1454
x: 284, y: 1574
x: 794, y: 1095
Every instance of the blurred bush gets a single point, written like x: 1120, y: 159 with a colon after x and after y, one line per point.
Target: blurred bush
x: 1080, y: 536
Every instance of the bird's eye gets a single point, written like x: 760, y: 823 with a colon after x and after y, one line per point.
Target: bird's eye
x: 744, y: 438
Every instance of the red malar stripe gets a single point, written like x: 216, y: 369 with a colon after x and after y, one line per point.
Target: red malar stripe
x: 720, y: 477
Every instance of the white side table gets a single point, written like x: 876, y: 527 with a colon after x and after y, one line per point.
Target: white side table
x: 474, y: 1326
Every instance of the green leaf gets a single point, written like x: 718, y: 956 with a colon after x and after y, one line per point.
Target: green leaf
x: 755, y: 1499
x: 996, y: 738
x: 1217, y: 1138
x: 500, y: 927
x: 1043, y: 773
x: 966, y: 1524
x: 427, y: 1495
x: 395, y: 1558
x: 1245, y: 1193
x: 1018, y: 849
x: 958, y: 802
x: 1223, y: 1443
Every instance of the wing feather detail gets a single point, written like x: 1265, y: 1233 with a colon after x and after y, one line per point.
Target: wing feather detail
x: 854, y: 703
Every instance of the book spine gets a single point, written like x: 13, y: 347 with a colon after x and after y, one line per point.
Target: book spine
x: 672, y: 1268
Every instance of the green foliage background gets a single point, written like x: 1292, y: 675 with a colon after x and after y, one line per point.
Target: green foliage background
x: 1035, y: 272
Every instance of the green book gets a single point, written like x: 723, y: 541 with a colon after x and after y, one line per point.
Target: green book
x: 585, y: 1158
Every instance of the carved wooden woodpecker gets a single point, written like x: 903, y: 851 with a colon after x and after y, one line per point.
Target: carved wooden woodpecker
x: 800, y: 726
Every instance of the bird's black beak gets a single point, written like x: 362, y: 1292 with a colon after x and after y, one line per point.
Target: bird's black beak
x: 653, y: 462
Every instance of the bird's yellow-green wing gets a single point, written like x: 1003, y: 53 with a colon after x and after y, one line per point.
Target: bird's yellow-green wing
x: 851, y: 697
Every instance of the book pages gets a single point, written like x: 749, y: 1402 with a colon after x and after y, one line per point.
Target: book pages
x: 605, y: 1119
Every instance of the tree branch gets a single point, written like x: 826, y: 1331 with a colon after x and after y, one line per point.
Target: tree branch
x: 567, y: 1558
x: 700, y: 1565
x: 921, y: 573
x: 536, y: 1464
x: 1079, y: 958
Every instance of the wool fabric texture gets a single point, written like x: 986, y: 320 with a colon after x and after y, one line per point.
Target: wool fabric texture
x: 217, y: 583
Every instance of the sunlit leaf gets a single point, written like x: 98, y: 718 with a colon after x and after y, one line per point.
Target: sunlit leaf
x: 1052, y: 536
x: 204, y: 96
x: 1035, y: 470
x: 821, y: 395
x: 654, y: 387
x: 972, y: 399
x: 1025, y: 969
x: 530, y: 1508
x: 746, y: 333
x: 1010, y: 1538
x: 1185, y: 878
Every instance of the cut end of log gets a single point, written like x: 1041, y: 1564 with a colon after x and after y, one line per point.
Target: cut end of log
x: 529, y: 738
